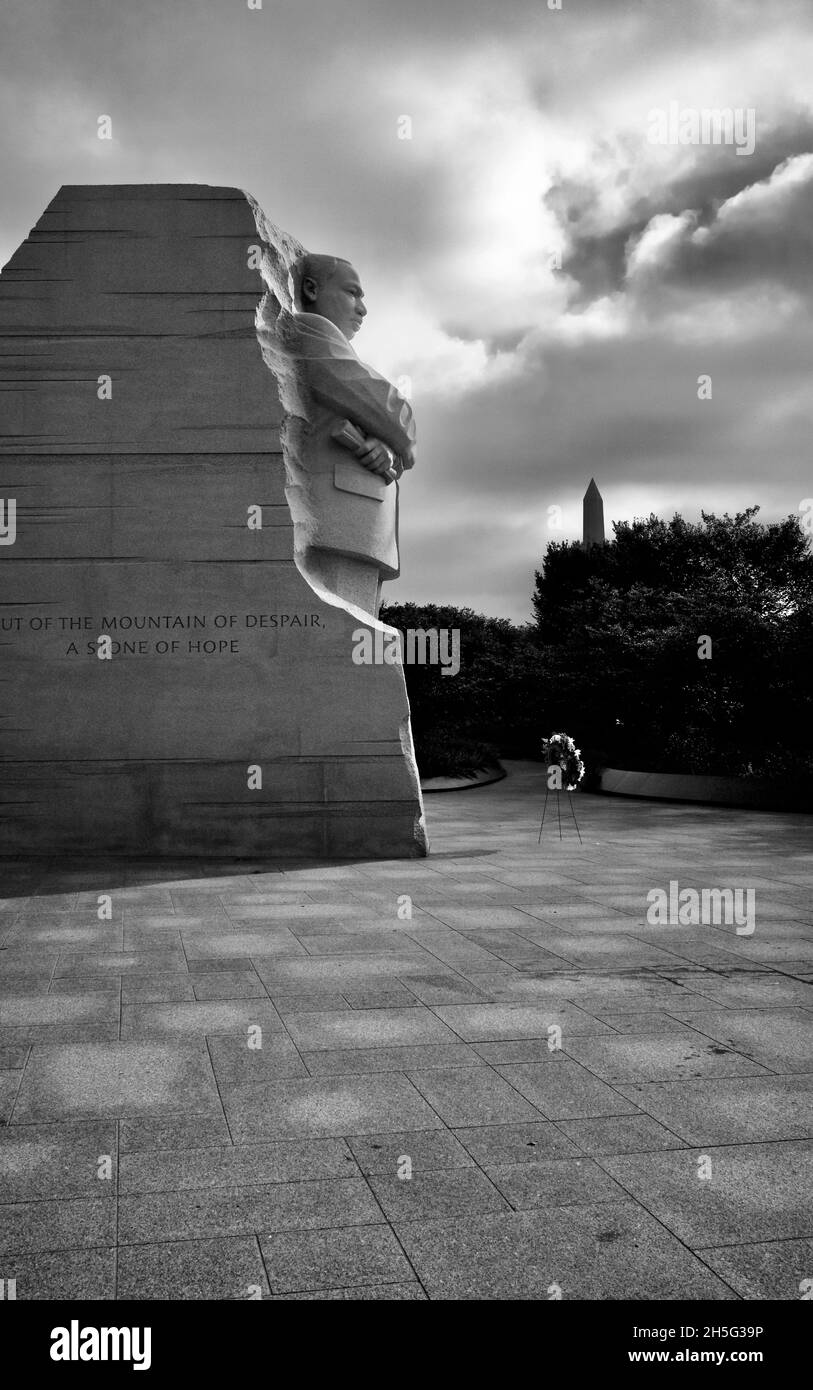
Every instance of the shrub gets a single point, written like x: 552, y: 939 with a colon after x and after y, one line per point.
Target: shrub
x: 442, y: 754
x: 495, y: 697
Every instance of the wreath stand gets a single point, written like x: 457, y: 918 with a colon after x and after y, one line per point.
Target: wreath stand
x: 558, y: 815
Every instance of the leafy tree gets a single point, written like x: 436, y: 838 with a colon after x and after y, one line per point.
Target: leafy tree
x: 491, y: 706
x: 620, y: 629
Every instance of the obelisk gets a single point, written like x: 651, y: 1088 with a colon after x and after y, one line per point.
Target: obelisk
x: 592, y: 517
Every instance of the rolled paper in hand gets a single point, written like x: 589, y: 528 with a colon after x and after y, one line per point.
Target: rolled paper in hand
x: 348, y: 435
x: 351, y: 437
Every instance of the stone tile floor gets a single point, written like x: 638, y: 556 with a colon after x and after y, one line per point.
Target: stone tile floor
x: 340, y: 1080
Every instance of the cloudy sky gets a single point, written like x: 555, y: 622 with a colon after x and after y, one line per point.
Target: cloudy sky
x: 530, y: 148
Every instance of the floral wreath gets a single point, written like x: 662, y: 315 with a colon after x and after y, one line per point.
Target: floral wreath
x: 561, y: 751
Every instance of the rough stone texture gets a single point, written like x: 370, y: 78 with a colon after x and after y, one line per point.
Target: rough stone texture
x: 135, y: 507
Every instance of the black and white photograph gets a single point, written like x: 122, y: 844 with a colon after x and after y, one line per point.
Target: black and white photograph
x: 406, y: 669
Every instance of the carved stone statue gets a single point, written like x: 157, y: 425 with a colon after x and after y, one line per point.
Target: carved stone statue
x: 232, y: 547
x: 360, y: 439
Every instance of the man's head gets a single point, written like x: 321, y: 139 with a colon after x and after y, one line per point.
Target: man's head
x: 331, y: 287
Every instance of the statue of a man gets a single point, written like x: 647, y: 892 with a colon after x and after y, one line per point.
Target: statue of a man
x: 361, y: 438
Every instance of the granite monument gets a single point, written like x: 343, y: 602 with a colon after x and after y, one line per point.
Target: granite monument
x: 199, y: 483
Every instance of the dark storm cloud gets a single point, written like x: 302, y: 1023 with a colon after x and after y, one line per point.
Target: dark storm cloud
x: 597, y: 262
x: 529, y: 133
x: 765, y: 235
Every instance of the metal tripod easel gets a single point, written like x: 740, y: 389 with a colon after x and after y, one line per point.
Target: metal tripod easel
x: 558, y: 815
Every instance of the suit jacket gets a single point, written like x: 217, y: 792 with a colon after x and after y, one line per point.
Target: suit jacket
x: 354, y: 512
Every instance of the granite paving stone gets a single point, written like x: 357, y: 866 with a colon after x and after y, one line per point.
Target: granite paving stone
x: 510, y: 1145
x: 68, y: 1223
x: 464, y: 1096
x: 79, y: 1080
x: 45, y: 1009
x: 711, y: 951
x: 291, y: 916
x: 62, y: 1033
x: 755, y: 1191
x: 237, y: 944
x: 785, y: 951
x: 347, y: 1060
x: 13, y: 984
x: 227, y: 1268
x: 492, y: 1022
x: 779, y: 1039
x: 363, y: 1293
x: 231, y: 1016
x: 86, y: 984
x: 343, y: 1105
x: 754, y: 990
x: 729, y: 1111
x: 651, y: 1021
x: 471, y: 917
x: 229, y: 1211
x: 14, y: 963
x: 519, y: 1050
x: 173, y: 1132
x: 399, y: 997
x: 202, y: 966
x: 561, y: 1089
x: 65, y: 1275
x: 12, y: 1058
x: 238, y: 1060
x: 66, y: 936
x: 200, y: 1168
x: 170, y: 923
x: 631, y: 993
x: 642, y: 1057
x: 557, y: 1182
x: 368, y: 1028
x: 315, y: 1003
x: 611, y: 1250
x: 301, y: 1261
x: 38, y: 1161
x: 611, y: 950
x: 229, y: 984
x: 119, y: 963
x: 438, y: 1195
x: 776, y: 1269
x: 299, y: 976
x: 618, y: 1134
x: 426, y: 1149
x: 260, y: 1046
x: 232, y: 899
x: 9, y: 1086
x: 355, y: 943
x: 37, y: 1013
x: 445, y: 989
x: 174, y: 988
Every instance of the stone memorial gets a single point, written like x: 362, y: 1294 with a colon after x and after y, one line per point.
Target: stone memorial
x: 199, y: 483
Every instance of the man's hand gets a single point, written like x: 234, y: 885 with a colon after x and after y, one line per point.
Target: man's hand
x: 376, y: 456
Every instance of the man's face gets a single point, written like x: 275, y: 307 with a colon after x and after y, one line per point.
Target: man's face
x: 341, y: 299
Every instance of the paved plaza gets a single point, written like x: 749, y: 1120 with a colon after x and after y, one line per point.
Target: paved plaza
x: 480, y: 1075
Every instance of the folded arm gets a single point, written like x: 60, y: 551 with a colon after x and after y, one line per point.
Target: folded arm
x: 370, y: 402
